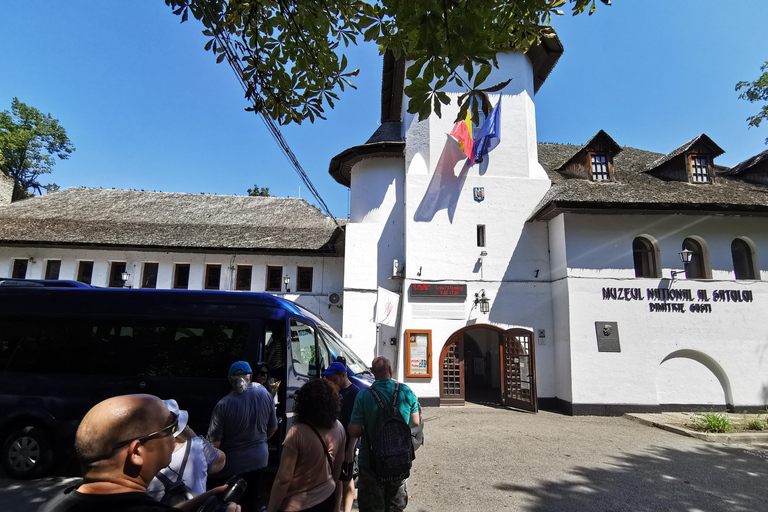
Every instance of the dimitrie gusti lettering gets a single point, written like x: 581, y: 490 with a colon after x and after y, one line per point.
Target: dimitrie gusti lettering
x: 673, y: 300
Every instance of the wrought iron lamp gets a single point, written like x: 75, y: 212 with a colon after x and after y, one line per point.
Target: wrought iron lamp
x: 287, y: 281
x: 685, y: 257
x: 125, y: 276
x: 481, y: 299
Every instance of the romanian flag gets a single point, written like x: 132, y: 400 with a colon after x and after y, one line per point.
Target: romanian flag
x: 462, y: 132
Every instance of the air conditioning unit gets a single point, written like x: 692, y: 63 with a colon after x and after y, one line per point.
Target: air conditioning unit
x: 335, y: 299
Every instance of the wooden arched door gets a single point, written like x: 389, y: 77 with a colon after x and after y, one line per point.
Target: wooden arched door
x: 452, y: 371
x: 518, y: 370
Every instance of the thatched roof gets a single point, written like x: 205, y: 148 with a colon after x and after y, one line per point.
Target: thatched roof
x: 161, y: 220
x: 639, y: 191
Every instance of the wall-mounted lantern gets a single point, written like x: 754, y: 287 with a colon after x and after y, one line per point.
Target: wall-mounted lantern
x: 125, y: 277
x: 483, y: 301
x: 685, y: 257
x: 287, y: 281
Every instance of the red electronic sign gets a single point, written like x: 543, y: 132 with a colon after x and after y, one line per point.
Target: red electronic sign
x: 438, y: 290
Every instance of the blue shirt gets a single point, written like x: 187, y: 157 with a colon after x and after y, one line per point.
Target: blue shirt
x: 240, y: 423
x: 366, y: 412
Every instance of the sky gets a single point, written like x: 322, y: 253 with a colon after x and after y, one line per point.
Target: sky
x: 147, y: 108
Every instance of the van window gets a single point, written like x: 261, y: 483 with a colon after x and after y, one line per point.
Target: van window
x: 310, y: 356
x: 354, y: 362
x: 154, y: 348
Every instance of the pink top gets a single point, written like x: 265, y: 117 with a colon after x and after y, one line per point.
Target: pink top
x: 312, y: 478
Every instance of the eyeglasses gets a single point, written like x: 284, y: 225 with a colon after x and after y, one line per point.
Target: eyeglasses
x: 170, y: 429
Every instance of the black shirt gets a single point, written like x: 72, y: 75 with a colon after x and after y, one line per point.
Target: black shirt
x: 72, y: 501
x: 348, y: 396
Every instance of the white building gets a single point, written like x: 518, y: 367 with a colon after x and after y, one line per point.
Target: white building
x: 185, y: 241
x: 572, y: 251
x: 547, y: 275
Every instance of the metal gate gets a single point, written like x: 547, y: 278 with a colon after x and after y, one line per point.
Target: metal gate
x: 452, y: 372
x: 518, y: 370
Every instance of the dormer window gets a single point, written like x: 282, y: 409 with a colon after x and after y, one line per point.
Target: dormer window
x: 593, y: 161
x: 699, y: 169
x: 599, y: 165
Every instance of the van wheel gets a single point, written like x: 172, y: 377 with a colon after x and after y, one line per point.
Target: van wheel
x: 27, y: 453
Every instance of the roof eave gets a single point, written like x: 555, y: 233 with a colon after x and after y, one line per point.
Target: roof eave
x: 341, y: 165
x: 553, y: 209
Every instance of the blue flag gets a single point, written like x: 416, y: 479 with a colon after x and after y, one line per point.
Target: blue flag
x: 489, y: 135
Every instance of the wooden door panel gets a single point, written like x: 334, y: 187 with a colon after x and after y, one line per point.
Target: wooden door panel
x: 452, y: 372
x: 518, y: 369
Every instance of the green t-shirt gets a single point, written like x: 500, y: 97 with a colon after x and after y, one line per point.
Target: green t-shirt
x: 366, y: 411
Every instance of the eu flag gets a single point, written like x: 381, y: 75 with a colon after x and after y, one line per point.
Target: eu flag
x: 489, y: 135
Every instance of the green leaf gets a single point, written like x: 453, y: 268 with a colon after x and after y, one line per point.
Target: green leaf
x: 414, y: 69
x: 485, y: 70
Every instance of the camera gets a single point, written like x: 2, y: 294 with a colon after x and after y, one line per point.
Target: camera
x: 236, y: 486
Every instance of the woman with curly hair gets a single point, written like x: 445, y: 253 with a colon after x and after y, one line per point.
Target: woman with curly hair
x: 313, y: 453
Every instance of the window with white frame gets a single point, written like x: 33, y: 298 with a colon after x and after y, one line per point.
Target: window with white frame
x: 699, y: 169
x: 599, y: 163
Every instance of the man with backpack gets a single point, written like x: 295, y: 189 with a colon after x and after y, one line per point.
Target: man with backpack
x: 382, y: 418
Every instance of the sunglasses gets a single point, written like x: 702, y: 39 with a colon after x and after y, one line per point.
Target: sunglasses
x: 169, y: 429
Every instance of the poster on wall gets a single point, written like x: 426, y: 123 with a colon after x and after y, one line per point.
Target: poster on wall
x: 418, y: 353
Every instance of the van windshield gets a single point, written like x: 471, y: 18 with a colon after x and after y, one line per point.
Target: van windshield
x: 333, y: 340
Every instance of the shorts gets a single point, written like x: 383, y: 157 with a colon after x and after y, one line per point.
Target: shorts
x: 375, y: 497
x: 349, y: 471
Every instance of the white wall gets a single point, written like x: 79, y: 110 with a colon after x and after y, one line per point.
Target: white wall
x: 731, y: 339
x: 441, y: 218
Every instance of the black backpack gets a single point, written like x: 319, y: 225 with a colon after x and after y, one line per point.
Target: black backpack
x: 392, y: 450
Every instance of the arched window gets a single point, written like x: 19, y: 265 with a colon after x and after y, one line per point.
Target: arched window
x: 644, y: 252
x: 696, y: 268
x: 743, y: 261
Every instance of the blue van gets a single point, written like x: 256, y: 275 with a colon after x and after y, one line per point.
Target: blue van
x: 65, y: 346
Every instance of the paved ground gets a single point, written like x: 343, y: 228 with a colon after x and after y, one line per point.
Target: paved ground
x: 482, y: 458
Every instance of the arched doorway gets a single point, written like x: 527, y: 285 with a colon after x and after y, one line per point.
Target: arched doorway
x: 488, y: 364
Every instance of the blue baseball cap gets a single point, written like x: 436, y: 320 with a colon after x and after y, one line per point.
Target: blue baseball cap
x: 240, y: 368
x: 335, y: 368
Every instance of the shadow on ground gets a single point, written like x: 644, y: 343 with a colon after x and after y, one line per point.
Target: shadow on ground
x: 704, y: 479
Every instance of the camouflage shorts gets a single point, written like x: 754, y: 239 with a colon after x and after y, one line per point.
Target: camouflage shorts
x: 375, y: 497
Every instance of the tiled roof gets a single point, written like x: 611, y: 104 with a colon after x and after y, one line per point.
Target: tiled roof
x: 103, y: 217
x: 716, y: 151
x: 636, y: 189
x: 746, y: 164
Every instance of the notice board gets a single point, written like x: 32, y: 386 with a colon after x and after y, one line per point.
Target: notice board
x: 418, y: 353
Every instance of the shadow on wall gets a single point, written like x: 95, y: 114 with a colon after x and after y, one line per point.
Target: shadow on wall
x: 712, y: 365
x: 444, y: 187
x: 704, y: 478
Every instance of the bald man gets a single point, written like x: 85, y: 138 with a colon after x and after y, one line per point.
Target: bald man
x: 122, y: 443
x: 373, y: 496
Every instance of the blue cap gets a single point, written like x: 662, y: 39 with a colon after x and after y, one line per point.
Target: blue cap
x: 335, y: 368
x: 240, y: 368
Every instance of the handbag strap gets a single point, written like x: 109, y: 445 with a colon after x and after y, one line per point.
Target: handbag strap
x: 186, y: 458
x: 166, y: 481
x: 325, y: 448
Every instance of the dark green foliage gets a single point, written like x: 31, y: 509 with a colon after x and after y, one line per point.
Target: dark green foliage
x: 289, y: 53
x: 29, y: 140
x: 258, y: 192
x: 756, y: 91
